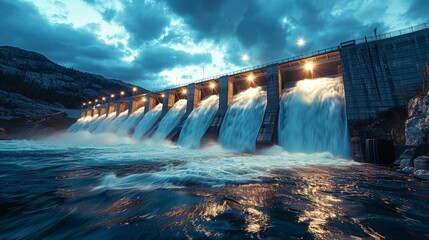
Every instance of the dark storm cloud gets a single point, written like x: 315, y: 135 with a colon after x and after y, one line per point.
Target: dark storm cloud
x: 22, y: 26
x: 159, y: 58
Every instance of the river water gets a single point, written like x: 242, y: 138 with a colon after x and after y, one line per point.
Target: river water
x: 107, y: 187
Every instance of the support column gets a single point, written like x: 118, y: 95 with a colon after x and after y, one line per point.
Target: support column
x: 147, y: 103
x: 268, y: 133
x: 167, y: 101
x: 130, y: 106
x: 226, y: 91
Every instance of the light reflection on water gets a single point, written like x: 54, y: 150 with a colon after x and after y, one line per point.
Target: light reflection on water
x: 58, y: 191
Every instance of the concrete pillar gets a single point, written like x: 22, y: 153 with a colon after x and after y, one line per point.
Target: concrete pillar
x: 274, y: 88
x: 267, y: 134
x: 130, y: 106
x: 194, y: 97
x: 168, y: 101
x: 147, y: 103
x: 226, y: 92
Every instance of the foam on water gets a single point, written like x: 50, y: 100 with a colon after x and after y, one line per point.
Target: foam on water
x: 171, y: 120
x: 313, y: 119
x: 147, y: 121
x: 198, y: 122
x: 130, y: 123
x: 243, y: 120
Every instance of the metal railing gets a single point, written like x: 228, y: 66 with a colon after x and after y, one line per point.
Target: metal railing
x: 393, y: 34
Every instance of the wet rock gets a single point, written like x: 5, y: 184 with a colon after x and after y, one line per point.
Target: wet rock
x: 406, y: 166
x: 416, y: 106
x: 3, y: 135
x: 421, y: 163
x: 407, y: 154
x: 422, y: 174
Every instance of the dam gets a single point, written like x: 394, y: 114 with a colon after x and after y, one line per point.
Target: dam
x: 315, y: 102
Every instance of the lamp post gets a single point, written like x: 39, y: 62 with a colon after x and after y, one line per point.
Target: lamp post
x: 122, y: 93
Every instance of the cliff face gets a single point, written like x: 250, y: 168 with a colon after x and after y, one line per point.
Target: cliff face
x: 417, y: 124
x: 31, y: 84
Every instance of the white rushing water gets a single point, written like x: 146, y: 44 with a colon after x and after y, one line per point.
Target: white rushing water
x: 313, y: 119
x: 198, y: 122
x: 243, y: 120
x: 147, y: 121
x: 95, y: 121
x: 131, y: 122
x: 170, y: 120
x: 115, y: 123
x: 80, y: 123
x: 104, y: 123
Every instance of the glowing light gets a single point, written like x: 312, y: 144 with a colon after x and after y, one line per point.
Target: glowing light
x: 84, y: 104
x: 134, y: 89
x: 309, y: 66
x: 184, y: 91
x: 162, y: 95
x: 212, y: 85
x: 122, y: 93
x: 89, y: 102
x: 112, y: 96
x: 300, y: 42
x: 96, y: 100
x: 245, y: 57
x: 143, y: 99
x: 250, y: 78
x: 103, y: 98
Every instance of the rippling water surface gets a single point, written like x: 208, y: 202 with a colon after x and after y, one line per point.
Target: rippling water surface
x: 127, y: 191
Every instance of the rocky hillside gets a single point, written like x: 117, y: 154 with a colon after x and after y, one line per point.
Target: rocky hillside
x: 31, y: 84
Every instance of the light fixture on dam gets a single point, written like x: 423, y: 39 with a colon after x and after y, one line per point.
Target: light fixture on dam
x: 96, y: 100
x: 212, y: 85
x: 184, y: 91
x: 89, y: 103
x: 144, y: 99
x: 250, y: 78
x: 122, y: 93
x: 134, y: 89
x: 162, y: 95
x: 83, y: 104
x: 309, y: 66
x: 112, y: 96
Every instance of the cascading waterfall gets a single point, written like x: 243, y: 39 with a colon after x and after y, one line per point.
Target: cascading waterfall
x: 81, y: 122
x: 93, y: 124
x: 198, y: 122
x: 243, y: 120
x: 313, y: 117
x: 130, y: 123
x: 115, y: 123
x: 104, y: 123
x: 171, y: 120
x: 147, y: 121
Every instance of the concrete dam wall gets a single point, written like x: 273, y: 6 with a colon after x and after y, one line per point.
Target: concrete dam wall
x: 376, y: 75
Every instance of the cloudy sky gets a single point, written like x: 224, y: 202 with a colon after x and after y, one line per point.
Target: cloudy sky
x: 155, y: 43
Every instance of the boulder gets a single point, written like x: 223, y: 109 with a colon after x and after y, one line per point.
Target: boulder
x: 407, y: 154
x: 421, y: 163
x: 406, y: 166
x: 416, y: 106
x: 3, y: 135
x: 422, y: 174
x: 414, y: 135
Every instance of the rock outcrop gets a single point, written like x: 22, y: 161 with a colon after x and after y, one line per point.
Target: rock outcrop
x: 417, y: 124
x: 28, y: 77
